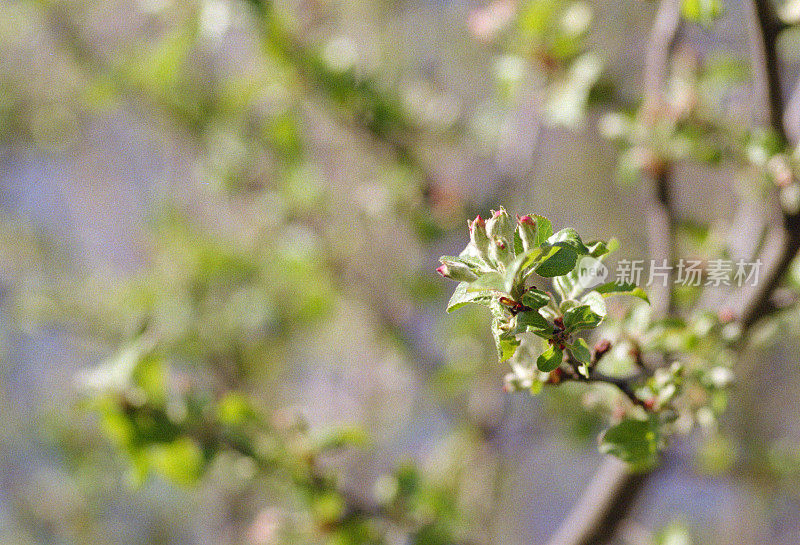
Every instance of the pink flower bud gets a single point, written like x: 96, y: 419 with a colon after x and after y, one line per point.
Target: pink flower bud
x: 479, y: 238
x: 455, y: 270
x: 478, y: 221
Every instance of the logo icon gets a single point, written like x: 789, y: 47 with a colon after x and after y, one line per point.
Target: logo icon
x: 591, y: 272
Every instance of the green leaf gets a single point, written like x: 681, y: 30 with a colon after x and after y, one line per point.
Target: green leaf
x: 472, y: 257
x: 116, y: 425
x: 550, y: 359
x: 581, y: 317
x: 505, y: 343
x: 151, y: 376
x: 535, y: 299
x: 568, y: 285
x: 234, y: 409
x: 588, y: 270
x: 598, y: 248
x: 613, y: 288
x: 341, y: 436
x: 568, y: 304
x: 633, y: 441
x: 461, y: 296
x: 533, y: 322
x: 179, y: 461
x: 581, y: 351
x: 558, y: 264
x: 568, y: 238
x: 472, y: 262
x: 595, y: 302
x: 544, y: 229
x: 469, y: 255
x: 518, y: 248
x: 327, y: 506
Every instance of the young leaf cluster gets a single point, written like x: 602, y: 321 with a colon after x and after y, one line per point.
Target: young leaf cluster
x: 506, y: 267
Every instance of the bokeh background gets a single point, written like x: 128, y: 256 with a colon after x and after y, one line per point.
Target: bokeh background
x: 269, y: 200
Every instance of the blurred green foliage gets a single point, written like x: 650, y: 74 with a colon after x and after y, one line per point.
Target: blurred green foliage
x: 314, y: 187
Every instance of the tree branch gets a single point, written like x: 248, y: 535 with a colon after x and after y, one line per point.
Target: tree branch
x: 608, y: 497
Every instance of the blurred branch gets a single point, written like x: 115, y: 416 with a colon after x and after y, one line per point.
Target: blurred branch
x: 659, y: 49
x: 662, y: 217
x: 69, y: 36
x: 759, y: 304
x: 593, y: 518
x: 608, y: 498
x: 792, y: 113
x: 765, y: 28
x: 312, y: 477
x: 662, y: 221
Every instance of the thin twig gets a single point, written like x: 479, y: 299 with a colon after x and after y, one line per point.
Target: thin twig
x: 623, y: 384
